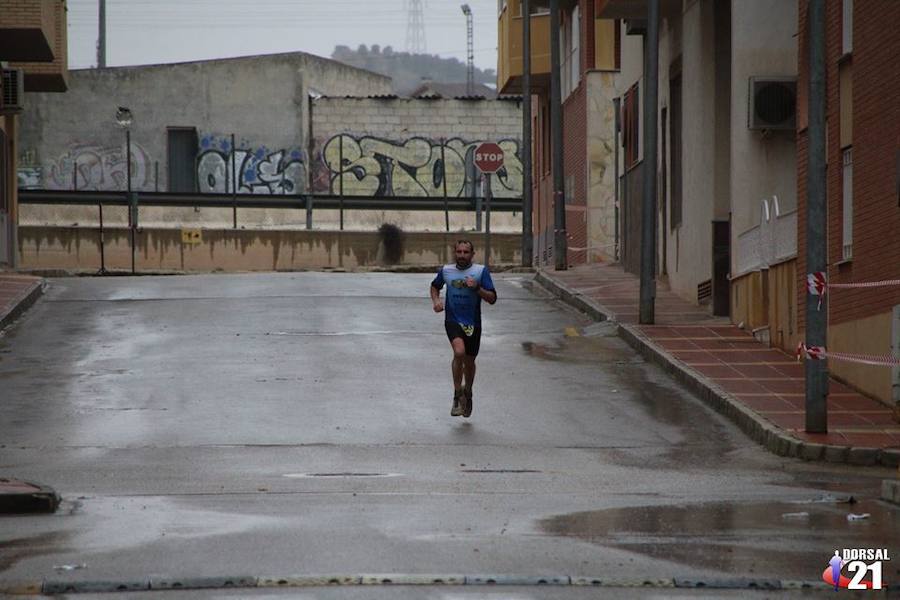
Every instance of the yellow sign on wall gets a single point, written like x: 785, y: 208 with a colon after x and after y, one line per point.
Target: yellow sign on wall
x: 190, y: 236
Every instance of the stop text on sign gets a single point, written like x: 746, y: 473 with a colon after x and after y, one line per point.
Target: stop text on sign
x: 489, y: 157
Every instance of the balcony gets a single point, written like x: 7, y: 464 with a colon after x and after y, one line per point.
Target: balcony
x: 634, y: 9
x: 42, y: 52
x: 509, y: 59
x: 26, y: 30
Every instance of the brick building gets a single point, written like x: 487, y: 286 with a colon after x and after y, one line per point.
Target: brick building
x: 33, y: 56
x: 863, y: 185
x: 588, y: 62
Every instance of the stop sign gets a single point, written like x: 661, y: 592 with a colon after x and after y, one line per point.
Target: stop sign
x: 488, y: 157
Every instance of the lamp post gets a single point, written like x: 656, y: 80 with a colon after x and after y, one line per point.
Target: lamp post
x: 470, y: 52
x: 124, y: 118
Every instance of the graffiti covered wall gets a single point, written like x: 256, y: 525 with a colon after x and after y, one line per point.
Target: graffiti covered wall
x: 411, y: 146
x: 260, y: 170
x: 372, y: 166
x: 97, y: 167
x: 264, y: 98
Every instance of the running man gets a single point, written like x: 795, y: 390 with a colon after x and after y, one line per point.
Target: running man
x: 468, y: 284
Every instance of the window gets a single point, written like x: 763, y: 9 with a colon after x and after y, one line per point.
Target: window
x: 570, y: 69
x: 539, y: 7
x: 847, y: 27
x: 845, y: 93
x: 545, y: 136
x: 631, y: 109
x: 847, y: 200
x: 535, y: 7
x: 675, y: 149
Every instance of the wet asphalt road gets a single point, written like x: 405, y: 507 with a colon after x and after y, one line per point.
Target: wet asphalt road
x: 299, y: 423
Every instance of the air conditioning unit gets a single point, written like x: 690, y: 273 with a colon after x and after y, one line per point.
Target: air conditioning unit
x: 773, y: 103
x: 12, y: 92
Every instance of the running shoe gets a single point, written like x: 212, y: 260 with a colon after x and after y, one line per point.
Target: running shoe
x: 467, y: 402
x: 457, y: 410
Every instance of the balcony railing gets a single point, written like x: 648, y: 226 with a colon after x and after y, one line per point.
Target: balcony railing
x: 509, y: 58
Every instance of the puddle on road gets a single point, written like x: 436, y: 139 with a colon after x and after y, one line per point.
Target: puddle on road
x: 754, y: 540
x: 15, y: 550
x: 583, y: 350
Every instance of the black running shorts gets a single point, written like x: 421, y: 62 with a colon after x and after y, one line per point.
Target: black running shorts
x: 471, y: 336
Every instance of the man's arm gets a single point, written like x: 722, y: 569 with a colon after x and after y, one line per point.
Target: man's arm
x: 489, y: 296
x: 436, y: 303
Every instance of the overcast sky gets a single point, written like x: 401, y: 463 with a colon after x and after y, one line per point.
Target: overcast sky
x: 160, y: 31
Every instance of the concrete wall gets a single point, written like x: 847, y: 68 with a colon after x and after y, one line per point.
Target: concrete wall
x: 764, y: 164
x: 869, y: 335
x: 693, y: 243
x: 396, y: 146
x: 262, y: 100
x: 765, y: 301
x: 77, y: 249
x: 601, y: 144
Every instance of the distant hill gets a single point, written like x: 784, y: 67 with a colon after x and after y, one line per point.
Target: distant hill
x: 408, y: 70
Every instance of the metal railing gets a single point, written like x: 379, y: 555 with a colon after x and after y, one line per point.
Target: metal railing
x: 305, y: 202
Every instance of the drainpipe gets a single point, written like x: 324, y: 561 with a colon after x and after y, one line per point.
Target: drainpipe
x: 560, y: 241
x: 647, y: 311
x: 527, y: 237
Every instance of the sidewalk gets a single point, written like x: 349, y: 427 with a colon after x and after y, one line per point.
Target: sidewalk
x: 17, y: 293
x: 759, y: 388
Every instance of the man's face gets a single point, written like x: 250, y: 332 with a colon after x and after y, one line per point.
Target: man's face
x: 463, y: 255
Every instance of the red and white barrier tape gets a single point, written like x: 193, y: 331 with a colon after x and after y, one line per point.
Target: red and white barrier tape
x: 582, y: 249
x: 817, y: 284
x: 819, y: 353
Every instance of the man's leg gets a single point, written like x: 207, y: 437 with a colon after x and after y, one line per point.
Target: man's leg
x: 469, y: 372
x: 457, y: 366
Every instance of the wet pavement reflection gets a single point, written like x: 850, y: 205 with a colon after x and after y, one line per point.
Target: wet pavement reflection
x: 787, y: 540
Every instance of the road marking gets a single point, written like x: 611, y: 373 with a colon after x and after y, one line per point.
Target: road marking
x: 339, y: 475
x: 393, y: 579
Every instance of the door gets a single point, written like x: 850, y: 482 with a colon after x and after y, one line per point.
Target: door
x: 5, y: 203
x: 182, y: 151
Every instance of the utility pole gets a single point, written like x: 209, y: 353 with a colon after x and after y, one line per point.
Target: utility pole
x: 101, y: 36
x: 527, y: 236
x: 647, y: 310
x: 470, y: 52
x: 560, y: 243
x: 816, y: 222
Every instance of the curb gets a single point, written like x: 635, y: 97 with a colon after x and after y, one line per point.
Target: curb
x: 50, y: 587
x: 22, y: 497
x: 22, y: 303
x: 756, y: 427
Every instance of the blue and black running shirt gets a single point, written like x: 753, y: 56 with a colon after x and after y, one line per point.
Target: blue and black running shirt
x: 463, y: 304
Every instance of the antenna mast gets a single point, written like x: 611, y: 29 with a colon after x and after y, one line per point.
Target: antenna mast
x: 415, y: 28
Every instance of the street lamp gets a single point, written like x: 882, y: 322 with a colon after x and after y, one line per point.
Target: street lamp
x: 124, y: 118
x: 470, y: 54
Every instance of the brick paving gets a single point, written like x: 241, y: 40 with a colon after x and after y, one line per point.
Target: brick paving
x: 17, y: 292
x: 766, y: 380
